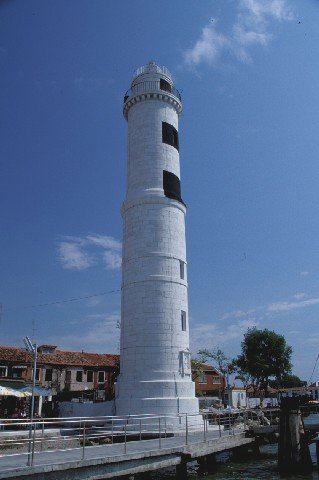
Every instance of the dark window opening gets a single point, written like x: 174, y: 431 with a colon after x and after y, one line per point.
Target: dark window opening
x: 68, y: 376
x: 101, y: 377
x: 172, y: 186
x: 164, y: 85
x: 37, y: 374
x: 48, y: 375
x: 170, y: 135
x: 89, y: 376
x: 202, y: 378
x: 17, y: 372
x: 79, y: 376
x: 183, y: 318
x: 182, y: 269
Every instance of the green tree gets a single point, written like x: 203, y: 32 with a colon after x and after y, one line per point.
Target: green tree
x: 217, y: 355
x: 288, y: 381
x: 264, y: 356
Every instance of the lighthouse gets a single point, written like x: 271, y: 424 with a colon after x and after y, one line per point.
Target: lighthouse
x: 155, y: 369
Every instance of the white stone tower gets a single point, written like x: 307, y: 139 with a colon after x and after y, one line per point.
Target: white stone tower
x: 155, y: 373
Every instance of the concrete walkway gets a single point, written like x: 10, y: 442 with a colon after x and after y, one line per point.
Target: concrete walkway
x: 112, y: 460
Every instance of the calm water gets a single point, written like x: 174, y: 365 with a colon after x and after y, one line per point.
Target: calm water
x: 263, y: 467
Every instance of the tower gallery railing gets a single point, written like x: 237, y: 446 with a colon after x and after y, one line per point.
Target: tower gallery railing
x: 151, y: 86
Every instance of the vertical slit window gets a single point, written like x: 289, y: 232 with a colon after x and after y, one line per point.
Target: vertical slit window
x: 183, y: 318
x: 170, y: 135
x: 172, y: 185
x: 182, y: 269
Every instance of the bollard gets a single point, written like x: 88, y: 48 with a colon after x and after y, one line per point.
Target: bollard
x: 293, y: 450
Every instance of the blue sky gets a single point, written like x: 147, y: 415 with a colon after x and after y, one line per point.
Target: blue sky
x: 248, y: 71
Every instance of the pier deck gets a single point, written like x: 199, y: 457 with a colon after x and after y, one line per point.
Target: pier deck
x: 110, y: 461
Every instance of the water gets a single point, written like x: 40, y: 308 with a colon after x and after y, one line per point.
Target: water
x: 262, y: 467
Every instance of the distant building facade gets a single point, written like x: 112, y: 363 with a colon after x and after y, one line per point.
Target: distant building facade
x: 65, y: 373
x: 209, y: 380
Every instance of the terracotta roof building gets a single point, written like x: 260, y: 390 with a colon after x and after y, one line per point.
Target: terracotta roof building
x: 209, y: 380
x: 73, y: 373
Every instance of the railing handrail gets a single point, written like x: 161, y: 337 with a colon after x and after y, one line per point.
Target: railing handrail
x: 80, y: 432
x: 150, y: 87
x: 156, y: 68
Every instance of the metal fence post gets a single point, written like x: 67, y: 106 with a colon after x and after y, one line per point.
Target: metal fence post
x: 83, y: 440
x: 42, y: 435
x: 229, y: 423
x: 29, y: 444
x: 186, y: 430
x: 33, y: 443
x: 125, y: 427
x: 204, y: 418
x: 112, y: 430
x: 140, y: 429
x: 219, y: 427
x: 159, y: 433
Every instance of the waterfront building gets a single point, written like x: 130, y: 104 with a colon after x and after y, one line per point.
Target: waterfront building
x: 155, y: 357
x: 61, y: 374
x: 209, y: 380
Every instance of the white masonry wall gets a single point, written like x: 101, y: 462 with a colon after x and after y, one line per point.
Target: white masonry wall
x: 155, y: 361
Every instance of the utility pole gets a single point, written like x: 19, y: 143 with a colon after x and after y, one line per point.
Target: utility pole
x: 33, y: 350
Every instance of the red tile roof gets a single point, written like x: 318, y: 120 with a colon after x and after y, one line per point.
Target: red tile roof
x: 59, y: 357
x: 208, y: 368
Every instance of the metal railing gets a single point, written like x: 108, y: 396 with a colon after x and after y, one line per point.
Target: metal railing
x: 151, y: 67
x: 150, y: 86
x: 79, y: 434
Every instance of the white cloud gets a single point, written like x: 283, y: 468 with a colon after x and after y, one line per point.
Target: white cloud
x: 278, y: 9
x: 73, y: 257
x: 304, y: 273
x: 101, y: 335
x: 300, y: 296
x: 238, y: 313
x: 250, y: 28
x: 313, y: 340
x: 80, y: 253
x: 233, y: 314
x: 105, y: 241
x: 112, y: 260
x: 299, y: 300
x: 211, y: 335
x: 287, y: 306
x: 208, y: 48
